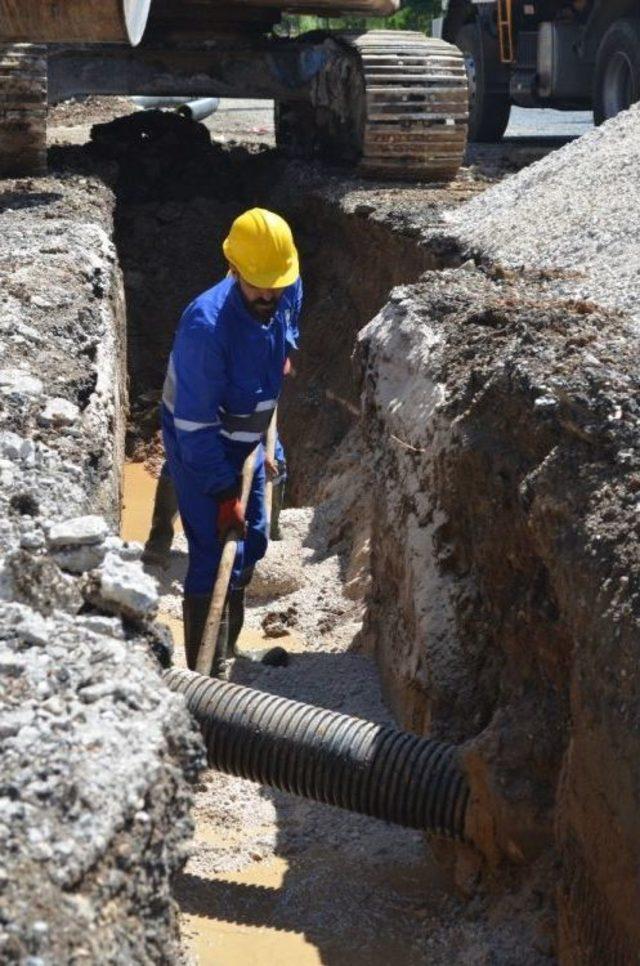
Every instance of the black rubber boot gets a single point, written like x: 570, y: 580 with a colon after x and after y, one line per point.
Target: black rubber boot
x: 277, y: 501
x: 236, y: 618
x: 272, y: 656
x: 165, y: 510
x: 195, y: 608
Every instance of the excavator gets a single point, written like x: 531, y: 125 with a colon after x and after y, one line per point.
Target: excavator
x: 393, y: 103
x: 566, y: 54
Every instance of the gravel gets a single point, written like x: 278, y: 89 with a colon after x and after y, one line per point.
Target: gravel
x: 575, y: 211
x: 84, y: 723
x: 95, y: 753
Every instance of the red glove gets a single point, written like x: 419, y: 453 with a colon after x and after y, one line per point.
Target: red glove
x: 231, y: 517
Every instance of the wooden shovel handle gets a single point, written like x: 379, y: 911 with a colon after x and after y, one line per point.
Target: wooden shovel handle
x: 270, y: 447
x: 221, y: 587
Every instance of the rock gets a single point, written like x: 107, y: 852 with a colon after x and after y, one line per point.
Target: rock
x: 15, y: 380
x: 126, y: 550
x: 78, y: 531
x: 28, y: 452
x: 36, y: 580
x: 126, y: 588
x: 273, y: 626
x: 12, y: 722
x: 78, y: 560
x: 278, y: 574
x: 109, y: 626
x: 95, y: 692
x: 59, y: 412
x: 34, y: 629
x: 10, y: 445
x: 32, y: 539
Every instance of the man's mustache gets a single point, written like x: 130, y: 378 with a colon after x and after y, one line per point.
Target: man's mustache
x: 265, y: 304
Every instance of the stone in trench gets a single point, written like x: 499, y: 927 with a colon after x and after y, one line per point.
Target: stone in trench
x: 280, y: 573
x: 10, y: 445
x: 277, y: 623
x: 16, y: 380
x: 34, y: 628
x: 77, y: 560
x: 99, y: 624
x: 126, y: 549
x: 125, y: 588
x: 59, y: 412
x: 78, y: 531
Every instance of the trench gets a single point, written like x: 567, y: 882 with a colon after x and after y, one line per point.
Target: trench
x: 272, y: 879
x: 488, y: 560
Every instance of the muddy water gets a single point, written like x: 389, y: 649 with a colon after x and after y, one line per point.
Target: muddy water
x: 138, y: 492
x: 278, y: 880
x: 232, y: 944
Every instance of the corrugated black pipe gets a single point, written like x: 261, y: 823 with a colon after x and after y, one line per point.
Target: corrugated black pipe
x: 328, y: 757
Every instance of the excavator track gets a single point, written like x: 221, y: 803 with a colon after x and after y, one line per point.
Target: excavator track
x: 416, y: 106
x: 23, y: 110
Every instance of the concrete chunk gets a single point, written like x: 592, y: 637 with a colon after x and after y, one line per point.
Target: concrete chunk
x: 127, y: 587
x: 78, y: 531
x: 77, y: 560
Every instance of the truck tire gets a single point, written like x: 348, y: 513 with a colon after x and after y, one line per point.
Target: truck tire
x: 489, y: 104
x: 616, y: 82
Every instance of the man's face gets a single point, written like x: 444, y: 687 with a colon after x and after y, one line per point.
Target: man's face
x: 261, y: 302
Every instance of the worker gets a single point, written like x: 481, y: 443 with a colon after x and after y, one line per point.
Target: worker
x: 223, y: 382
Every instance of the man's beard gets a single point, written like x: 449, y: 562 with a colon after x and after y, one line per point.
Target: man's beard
x: 262, y: 310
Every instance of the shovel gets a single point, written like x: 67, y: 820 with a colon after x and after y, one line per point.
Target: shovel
x: 221, y: 588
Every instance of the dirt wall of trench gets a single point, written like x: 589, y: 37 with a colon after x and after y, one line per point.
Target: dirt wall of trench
x: 504, y: 426
x: 350, y: 264
x: 95, y: 754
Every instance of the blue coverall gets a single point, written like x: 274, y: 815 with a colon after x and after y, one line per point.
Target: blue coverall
x: 223, y: 382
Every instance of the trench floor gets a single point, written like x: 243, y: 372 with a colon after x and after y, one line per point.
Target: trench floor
x: 277, y: 880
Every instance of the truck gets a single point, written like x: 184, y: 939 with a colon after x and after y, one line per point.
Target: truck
x: 566, y: 54
x: 393, y: 103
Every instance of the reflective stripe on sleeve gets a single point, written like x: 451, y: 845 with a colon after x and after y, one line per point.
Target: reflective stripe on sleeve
x: 241, y: 437
x: 188, y: 426
x: 169, y: 387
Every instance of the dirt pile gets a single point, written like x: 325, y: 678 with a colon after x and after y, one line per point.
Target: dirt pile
x: 576, y: 210
x: 504, y: 426
x: 93, y: 749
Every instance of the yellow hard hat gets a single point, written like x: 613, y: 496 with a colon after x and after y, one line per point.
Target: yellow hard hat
x: 260, y: 246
